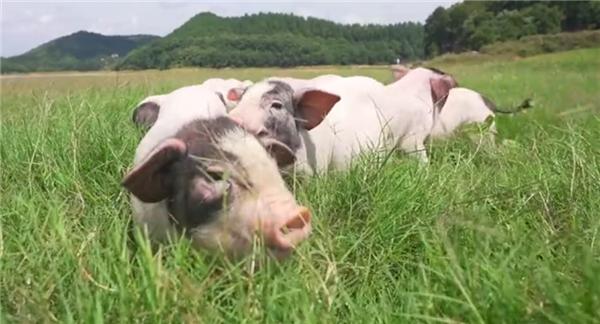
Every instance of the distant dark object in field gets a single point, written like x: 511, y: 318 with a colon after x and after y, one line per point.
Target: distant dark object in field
x: 196, y: 172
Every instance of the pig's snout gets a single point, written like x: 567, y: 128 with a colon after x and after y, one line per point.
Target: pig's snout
x: 286, y: 233
x: 260, y: 131
x: 237, y: 120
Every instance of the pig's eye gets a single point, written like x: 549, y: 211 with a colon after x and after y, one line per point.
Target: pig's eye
x: 276, y: 105
x: 215, y: 176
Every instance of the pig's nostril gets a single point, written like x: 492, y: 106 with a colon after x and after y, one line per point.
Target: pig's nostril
x: 295, y: 229
x: 299, y: 221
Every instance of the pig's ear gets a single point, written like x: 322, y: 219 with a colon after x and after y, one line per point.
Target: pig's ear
x: 235, y: 94
x: 399, y: 71
x: 440, y: 88
x: 149, y: 181
x: 279, y: 151
x: 145, y: 115
x: 312, y: 106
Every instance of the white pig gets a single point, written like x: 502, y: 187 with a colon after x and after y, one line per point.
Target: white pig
x: 197, y: 173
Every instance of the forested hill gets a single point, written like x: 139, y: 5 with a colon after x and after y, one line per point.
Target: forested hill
x: 270, y: 39
x: 79, y: 51
x: 471, y: 25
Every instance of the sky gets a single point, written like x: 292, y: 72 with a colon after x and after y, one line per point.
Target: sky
x: 27, y: 24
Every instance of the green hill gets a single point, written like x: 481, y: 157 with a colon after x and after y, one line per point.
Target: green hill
x: 471, y: 25
x: 270, y: 39
x: 79, y: 51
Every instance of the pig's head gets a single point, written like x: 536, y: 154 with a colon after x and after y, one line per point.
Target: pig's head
x: 228, y: 95
x: 439, y: 82
x: 274, y: 110
x: 222, y: 189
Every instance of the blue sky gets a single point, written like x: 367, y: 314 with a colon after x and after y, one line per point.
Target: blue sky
x: 26, y: 24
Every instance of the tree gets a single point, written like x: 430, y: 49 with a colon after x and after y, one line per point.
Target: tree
x: 436, y: 32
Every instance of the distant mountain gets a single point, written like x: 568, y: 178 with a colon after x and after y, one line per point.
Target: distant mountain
x: 79, y: 51
x: 270, y: 39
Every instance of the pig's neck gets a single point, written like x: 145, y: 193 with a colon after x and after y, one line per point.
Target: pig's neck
x: 315, y: 152
x: 413, y: 87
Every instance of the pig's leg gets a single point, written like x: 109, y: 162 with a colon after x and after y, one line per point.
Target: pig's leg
x: 414, y: 145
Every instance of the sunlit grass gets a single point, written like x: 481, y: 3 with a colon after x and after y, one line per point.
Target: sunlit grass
x: 483, y: 234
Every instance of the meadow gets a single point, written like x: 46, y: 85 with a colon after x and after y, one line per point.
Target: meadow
x: 504, y: 233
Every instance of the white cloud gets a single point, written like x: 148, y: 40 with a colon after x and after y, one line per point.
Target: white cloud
x: 44, y: 19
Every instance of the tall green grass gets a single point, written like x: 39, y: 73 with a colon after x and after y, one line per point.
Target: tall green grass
x: 525, y: 47
x: 504, y: 234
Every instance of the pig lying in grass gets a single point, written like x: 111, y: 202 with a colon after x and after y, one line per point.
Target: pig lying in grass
x: 147, y: 111
x: 454, y: 106
x: 198, y: 174
x: 327, y: 124
x: 327, y: 121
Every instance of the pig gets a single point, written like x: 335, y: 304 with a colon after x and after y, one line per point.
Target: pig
x: 329, y: 123
x: 454, y: 106
x: 398, y: 71
x: 358, y: 83
x: 465, y: 106
x: 222, y: 87
x: 428, y: 84
x: 201, y: 176
x: 146, y: 112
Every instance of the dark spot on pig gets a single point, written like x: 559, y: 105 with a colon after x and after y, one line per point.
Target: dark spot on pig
x: 281, y: 122
x: 186, y: 207
x: 282, y: 130
x: 145, y: 115
x: 436, y: 70
x: 220, y: 95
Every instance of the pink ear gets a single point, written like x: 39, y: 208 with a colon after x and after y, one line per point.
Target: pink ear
x: 313, y: 106
x: 148, y: 181
x: 399, y: 71
x: 235, y: 94
x: 440, y: 88
x: 145, y: 115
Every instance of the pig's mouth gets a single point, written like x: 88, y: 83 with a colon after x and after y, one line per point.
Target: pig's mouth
x: 281, y: 152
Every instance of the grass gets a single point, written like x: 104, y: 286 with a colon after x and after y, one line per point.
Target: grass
x: 481, y: 235
x: 539, y: 44
x: 524, y: 47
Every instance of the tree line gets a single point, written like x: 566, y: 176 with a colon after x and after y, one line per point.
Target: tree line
x: 269, y: 39
x: 273, y: 39
x: 471, y: 25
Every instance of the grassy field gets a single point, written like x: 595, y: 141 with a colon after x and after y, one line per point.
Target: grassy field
x: 505, y: 234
